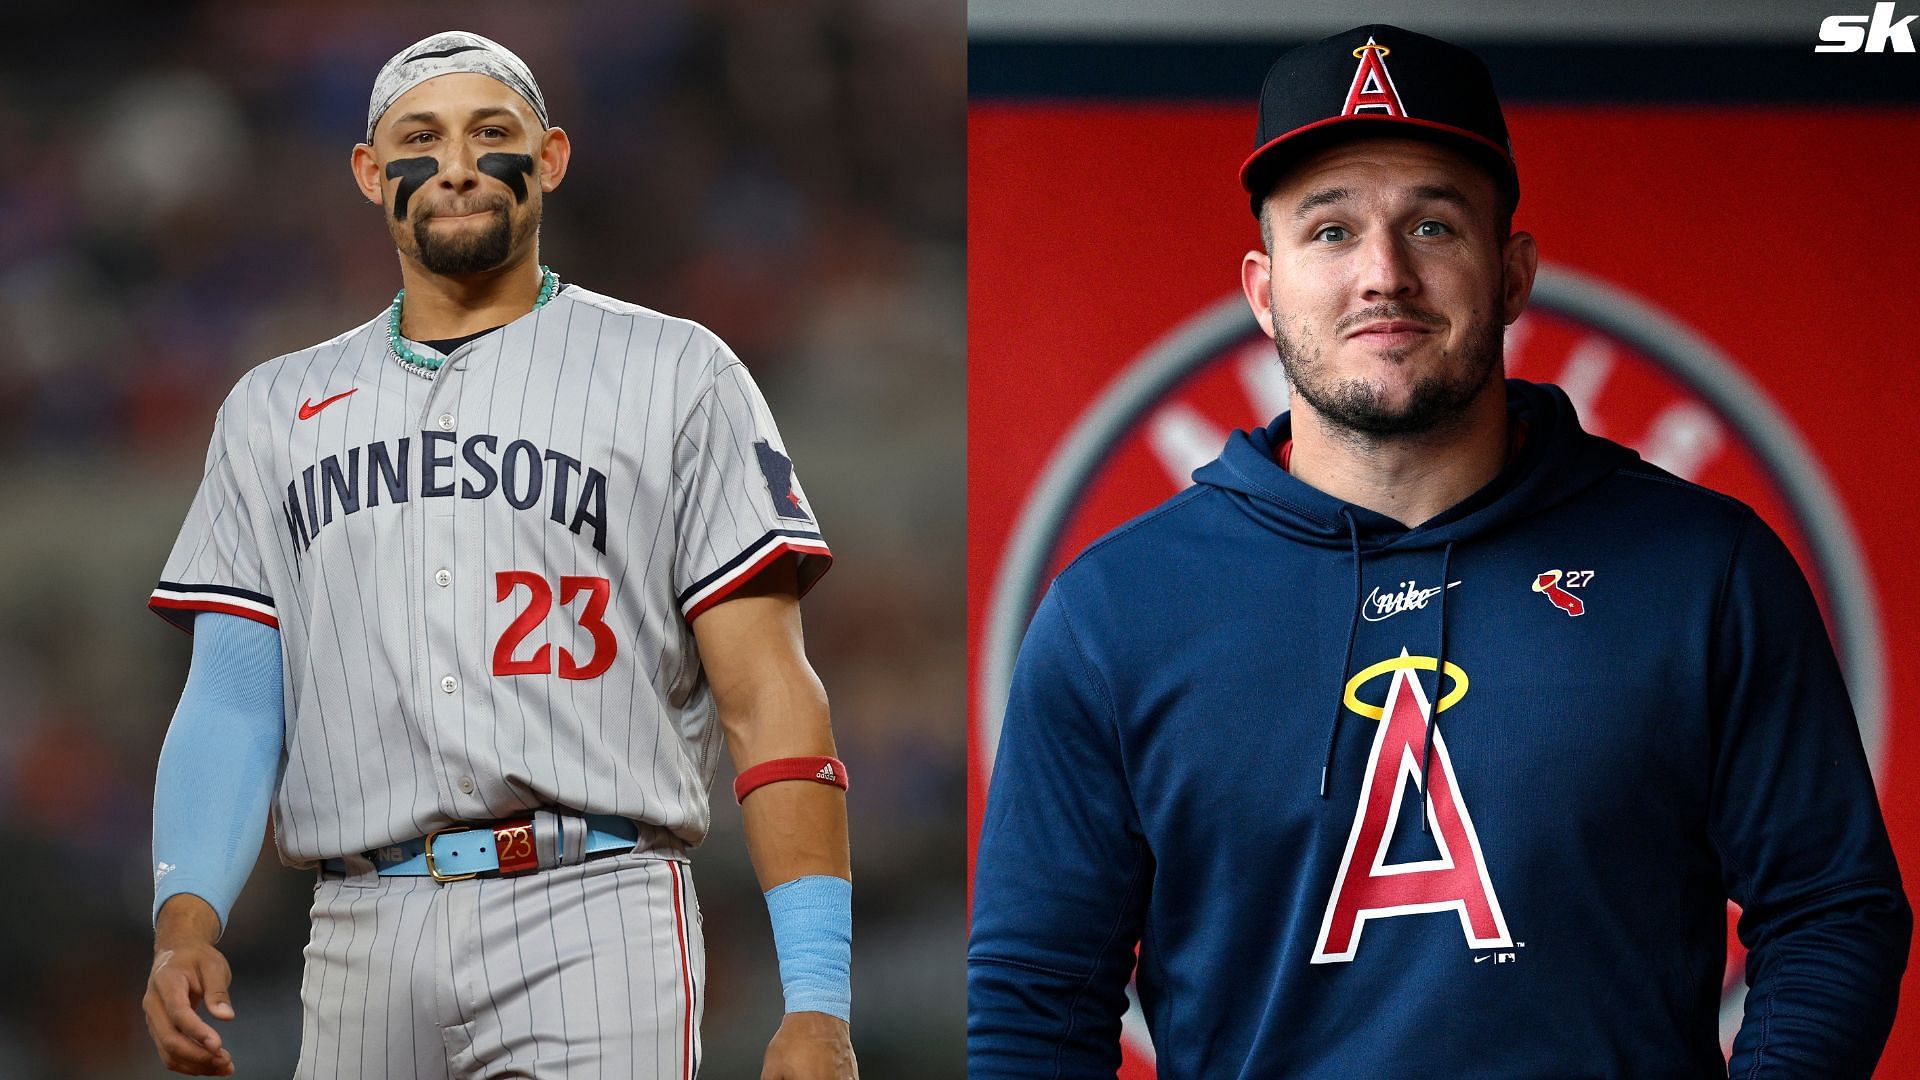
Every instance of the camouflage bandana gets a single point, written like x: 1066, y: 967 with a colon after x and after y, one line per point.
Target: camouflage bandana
x: 443, y: 54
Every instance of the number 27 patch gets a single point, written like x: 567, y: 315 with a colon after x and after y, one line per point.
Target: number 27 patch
x: 1555, y: 583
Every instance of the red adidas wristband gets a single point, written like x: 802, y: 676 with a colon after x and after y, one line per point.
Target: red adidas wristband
x: 821, y: 770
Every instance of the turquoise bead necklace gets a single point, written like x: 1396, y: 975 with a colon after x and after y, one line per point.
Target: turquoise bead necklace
x: 425, y: 366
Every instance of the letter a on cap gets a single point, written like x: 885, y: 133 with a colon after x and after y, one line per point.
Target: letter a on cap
x: 1373, y: 89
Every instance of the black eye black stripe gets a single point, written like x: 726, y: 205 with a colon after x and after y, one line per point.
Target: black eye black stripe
x: 411, y: 172
x: 510, y: 169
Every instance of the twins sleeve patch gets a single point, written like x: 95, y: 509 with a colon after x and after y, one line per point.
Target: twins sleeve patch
x: 778, y: 469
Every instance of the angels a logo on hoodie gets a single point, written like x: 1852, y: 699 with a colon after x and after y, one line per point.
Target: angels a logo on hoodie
x: 1367, y: 885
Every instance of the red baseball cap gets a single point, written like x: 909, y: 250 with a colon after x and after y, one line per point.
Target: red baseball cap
x: 1377, y: 80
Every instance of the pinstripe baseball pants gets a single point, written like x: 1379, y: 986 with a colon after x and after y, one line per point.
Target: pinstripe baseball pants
x: 584, y: 971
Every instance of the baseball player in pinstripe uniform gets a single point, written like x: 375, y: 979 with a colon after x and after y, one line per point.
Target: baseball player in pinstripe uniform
x: 476, y: 590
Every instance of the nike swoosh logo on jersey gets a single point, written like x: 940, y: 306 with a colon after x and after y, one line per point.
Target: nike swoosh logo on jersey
x: 308, y: 410
x: 455, y: 51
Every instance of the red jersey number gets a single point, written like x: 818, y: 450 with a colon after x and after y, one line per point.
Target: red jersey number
x: 592, y: 619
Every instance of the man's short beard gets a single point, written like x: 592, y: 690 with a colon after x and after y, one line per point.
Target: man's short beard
x: 463, y: 252
x: 1359, y: 406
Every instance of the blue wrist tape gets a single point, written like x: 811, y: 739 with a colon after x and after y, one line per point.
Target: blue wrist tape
x: 219, y: 764
x: 813, y: 936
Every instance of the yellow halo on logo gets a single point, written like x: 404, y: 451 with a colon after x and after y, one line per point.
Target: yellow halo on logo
x: 1402, y: 663
x: 1382, y: 50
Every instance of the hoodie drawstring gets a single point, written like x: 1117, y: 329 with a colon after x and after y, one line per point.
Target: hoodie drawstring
x: 1439, y: 686
x: 1353, y: 629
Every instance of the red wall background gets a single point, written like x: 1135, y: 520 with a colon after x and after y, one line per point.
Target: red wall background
x: 1785, y: 235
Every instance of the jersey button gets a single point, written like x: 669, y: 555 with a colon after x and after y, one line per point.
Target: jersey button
x: 446, y: 421
x: 466, y: 785
x: 443, y: 577
x: 449, y: 685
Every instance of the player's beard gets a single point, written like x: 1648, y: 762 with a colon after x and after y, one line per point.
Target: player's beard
x: 454, y: 252
x: 1359, y: 407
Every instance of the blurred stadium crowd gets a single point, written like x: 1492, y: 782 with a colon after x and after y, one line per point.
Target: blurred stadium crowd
x: 177, y: 208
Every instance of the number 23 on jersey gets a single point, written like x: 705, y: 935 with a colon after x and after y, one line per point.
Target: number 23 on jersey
x: 591, y: 618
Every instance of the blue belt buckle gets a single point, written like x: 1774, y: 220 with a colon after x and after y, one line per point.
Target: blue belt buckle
x: 434, y: 871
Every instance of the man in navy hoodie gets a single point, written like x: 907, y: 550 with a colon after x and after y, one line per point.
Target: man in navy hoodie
x: 1426, y: 735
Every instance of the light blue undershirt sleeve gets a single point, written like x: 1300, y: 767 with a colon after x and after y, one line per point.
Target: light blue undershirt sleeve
x: 813, y: 937
x: 219, y: 765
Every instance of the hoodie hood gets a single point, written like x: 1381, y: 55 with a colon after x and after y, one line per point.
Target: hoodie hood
x: 1557, y: 461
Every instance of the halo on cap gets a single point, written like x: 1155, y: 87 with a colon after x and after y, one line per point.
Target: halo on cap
x: 443, y: 54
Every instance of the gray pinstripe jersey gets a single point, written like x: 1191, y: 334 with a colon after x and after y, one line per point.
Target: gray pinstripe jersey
x: 484, y: 581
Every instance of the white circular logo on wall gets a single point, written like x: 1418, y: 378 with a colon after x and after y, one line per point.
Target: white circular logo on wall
x: 1635, y: 375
